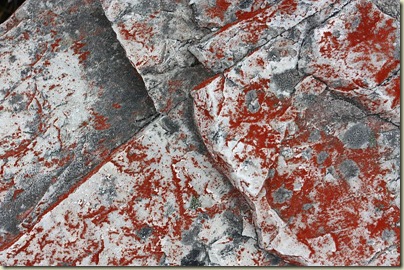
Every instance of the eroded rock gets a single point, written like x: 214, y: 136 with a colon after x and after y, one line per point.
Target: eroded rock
x: 302, y: 117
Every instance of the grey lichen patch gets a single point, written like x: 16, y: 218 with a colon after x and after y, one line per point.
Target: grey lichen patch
x: 169, y: 125
x: 270, y: 174
x: 287, y: 80
x: 286, y: 152
x: 321, y: 157
x: 169, y: 209
x: 198, y: 256
x: 245, y: 4
x: 191, y: 235
x: 195, y: 203
x: 305, y: 100
x: 391, y: 138
x: 307, y: 153
x: 251, y: 101
x: 144, y: 232
x: 388, y: 235
x: 358, y: 136
x: 234, y: 221
x: 108, y: 189
x: 218, y: 135
x: 314, y: 136
x: 282, y: 195
x: 331, y: 172
x: 349, y: 169
x: 389, y: 7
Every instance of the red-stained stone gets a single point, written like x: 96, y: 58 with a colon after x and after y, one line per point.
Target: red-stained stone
x: 321, y: 173
x: 355, y: 52
x: 302, y: 118
x: 214, y: 14
x: 57, y: 116
x: 234, y: 41
x: 148, y: 204
x: 156, y: 36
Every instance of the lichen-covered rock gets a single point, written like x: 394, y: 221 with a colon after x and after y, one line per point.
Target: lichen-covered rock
x: 74, y: 190
x: 156, y: 36
x: 358, y: 48
x: 217, y: 14
x: 148, y: 204
x: 357, y: 54
x: 234, y: 41
x: 302, y: 116
x: 68, y: 97
x: 319, y: 167
x: 322, y: 177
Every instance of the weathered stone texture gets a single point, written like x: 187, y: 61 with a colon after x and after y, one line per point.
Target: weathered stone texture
x: 188, y: 132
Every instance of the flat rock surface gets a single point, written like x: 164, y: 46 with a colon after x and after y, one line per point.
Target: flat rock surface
x: 200, y: 133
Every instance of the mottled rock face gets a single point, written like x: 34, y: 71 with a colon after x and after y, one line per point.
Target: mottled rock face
x: 91, y: 174
x: 357, y: 48
x: 68, y: 98
x: 200, y: 133
x: 234, y: 41
x: 147, y: 206
x: 156, y: 36
x: 298, y: 130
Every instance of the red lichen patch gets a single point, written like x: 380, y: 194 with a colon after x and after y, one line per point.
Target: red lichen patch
x: 219, y: 9
x: 288, y: 7
x: 251, y: 31
x: 383, y: 100
x: 139, y: 32
x: 49, y: 18
x: 55, y: 46
x: 26, y: 35
x: 313, y: 205
x: 393, y: 90
x: 355, y: 49
x: 224, y: 12
x: 100, y: 121
x: 77, y: 48
x: 17, y: 192
x: 160, y: 196
x: 326, y: 167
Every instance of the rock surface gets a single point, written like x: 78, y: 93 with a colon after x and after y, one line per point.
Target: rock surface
x: 146, y: 205
x: 91, y: 173
x: 64, y: 107
x: 298, y: 129
x: 188, y: 132
x: 156, y: 36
